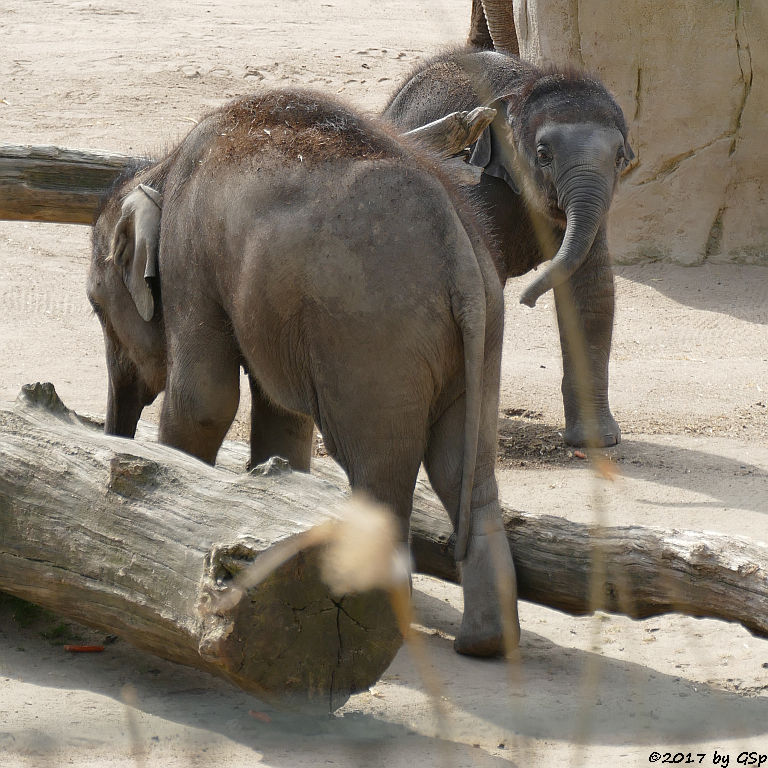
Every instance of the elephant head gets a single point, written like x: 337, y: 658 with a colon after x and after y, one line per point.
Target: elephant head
x: 562, y: 140
x: 124, y: 294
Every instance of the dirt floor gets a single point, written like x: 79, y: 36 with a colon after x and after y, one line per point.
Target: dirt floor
x: 689, y: 386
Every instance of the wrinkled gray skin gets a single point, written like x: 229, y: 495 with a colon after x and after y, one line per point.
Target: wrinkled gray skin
x: 561, y: 139
x: 320, y: 253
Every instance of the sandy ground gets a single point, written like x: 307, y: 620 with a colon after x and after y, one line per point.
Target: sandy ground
x: 689, y: 386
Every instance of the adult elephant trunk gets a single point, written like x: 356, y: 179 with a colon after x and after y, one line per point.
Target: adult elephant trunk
x: 124, y: 406
x: 501, y: 25
x: 585, y: 197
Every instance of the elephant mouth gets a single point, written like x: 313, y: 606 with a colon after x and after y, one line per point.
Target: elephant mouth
x: 556, y: 214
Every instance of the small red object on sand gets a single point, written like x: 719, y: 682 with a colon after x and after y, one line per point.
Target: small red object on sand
x: 263, y: 716
x: 580, y: 454
x: 84, y: 648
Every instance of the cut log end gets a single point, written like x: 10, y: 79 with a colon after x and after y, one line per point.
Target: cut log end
x: 288, y: 638
x: 127, y: 538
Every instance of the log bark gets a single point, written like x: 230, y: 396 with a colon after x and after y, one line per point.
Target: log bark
x: 65, y: 186
x: 142, y: 541
x: 632, y: 570
x: 55, y: 184
x: 151, y: 535
x: 638, y: 571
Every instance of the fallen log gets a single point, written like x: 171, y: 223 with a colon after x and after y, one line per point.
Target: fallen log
x: 637, y: 571
x: 632, y: 570
x: 65, y: 186
x: 145, y: 542
x: 55, y: 184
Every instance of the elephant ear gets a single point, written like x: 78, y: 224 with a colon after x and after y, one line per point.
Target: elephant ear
x: 492, y: 153
x: 628, y: 153
x: 135, y: 244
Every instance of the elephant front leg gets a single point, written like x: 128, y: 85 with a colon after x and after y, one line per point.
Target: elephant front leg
x: 202, y: 394
x: 585, y: 308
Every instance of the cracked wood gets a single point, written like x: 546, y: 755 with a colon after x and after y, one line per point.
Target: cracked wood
x: 142, y: 541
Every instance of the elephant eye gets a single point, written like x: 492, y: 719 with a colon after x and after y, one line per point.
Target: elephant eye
x: 621, y: 159
x: 543, y: 154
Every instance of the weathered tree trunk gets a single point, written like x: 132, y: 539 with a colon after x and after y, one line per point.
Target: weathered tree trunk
x: 144, y: 542
x: 65, y: 185
x: 139, y: 540
x: 55, y: 184
x: 633, y: 570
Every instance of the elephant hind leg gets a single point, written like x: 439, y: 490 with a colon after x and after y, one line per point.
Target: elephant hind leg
x: 202, y: 395
x: 490, y: 625
x: 388, y: 473
x: 379, y: 454
x: 278, y: 432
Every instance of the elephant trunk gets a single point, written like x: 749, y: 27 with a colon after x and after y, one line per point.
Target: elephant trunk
x: 585, y: 197
x: 125, y: 402
x: 122, y: 415
x: 501, y: 24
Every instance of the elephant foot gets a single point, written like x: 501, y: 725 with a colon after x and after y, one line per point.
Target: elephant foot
x: 608, y: 432
x: 469, y: 643
x: 487, y: 578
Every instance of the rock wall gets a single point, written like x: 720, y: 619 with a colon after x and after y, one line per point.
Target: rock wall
x: 692, y: 79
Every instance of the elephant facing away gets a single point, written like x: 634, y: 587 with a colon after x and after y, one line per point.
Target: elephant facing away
x: 551, y: 161
x: 346, y: 274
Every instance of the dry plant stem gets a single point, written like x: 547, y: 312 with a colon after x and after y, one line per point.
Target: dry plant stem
x: 145, y: 542
x: 576, y: 345
x: 131, y: 702
x: 400, y: 597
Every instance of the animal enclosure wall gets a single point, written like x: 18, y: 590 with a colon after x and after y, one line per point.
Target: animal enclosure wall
x: 692, y: 79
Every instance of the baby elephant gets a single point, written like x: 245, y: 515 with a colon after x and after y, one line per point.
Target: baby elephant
x: 346, y: 273
x: 551, y: 161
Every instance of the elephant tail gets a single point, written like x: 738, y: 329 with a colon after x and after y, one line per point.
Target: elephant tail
x: 470, y: 314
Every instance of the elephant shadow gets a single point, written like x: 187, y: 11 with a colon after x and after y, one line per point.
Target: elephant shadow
x: 544, y: 698
x: 729, y: 482
x: 737, y: 290
x: 173, y: 703
x: 526, y: 440
x: 562, y: 693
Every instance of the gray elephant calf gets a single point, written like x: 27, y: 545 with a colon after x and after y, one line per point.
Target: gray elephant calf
x: 324, y: 255
x: 551, y: 161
